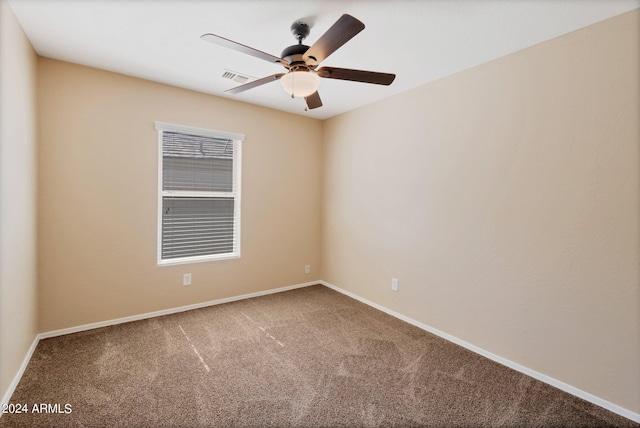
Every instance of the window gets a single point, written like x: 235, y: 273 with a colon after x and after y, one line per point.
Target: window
x: 199, y: 194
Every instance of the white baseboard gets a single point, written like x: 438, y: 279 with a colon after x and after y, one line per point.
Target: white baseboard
x: 169, y: 311
x: 522, y: 369
x: 18, y: 376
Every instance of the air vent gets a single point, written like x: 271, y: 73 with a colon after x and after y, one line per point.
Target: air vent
x: 236, y: 77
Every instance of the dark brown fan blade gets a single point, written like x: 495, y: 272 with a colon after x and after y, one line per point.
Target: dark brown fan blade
x: 340, y: 33
x: 356, y: 75
x: 313, y: 100
x: 254, y: 84
x: 221, y: 41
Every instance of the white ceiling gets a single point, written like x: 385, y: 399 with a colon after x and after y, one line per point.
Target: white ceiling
x: 419, y: 41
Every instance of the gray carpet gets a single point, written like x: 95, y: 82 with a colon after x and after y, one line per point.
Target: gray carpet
x: 304, y: 358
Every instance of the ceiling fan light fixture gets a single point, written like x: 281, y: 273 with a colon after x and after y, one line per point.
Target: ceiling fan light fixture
x: 300, y: 83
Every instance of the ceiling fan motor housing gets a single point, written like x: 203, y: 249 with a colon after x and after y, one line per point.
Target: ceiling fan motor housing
x: 293, y: 55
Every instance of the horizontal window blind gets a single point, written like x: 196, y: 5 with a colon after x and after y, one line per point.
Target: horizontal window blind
x: 199, y: 196
x: 196, y: 226
x: 197, y: 163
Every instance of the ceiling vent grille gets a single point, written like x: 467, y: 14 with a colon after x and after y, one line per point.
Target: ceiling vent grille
x: 236, y: 77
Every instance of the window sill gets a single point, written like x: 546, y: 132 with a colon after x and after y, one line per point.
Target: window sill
x: 198, y: 259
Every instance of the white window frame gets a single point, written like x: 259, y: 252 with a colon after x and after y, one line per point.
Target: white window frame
x: 235, y: 193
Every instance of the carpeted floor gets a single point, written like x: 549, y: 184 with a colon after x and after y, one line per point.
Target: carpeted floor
x: 310, y: 357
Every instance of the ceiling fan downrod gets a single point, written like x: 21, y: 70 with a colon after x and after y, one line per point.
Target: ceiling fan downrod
x: 300, y: 31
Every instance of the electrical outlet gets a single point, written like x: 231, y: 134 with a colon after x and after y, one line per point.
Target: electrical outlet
x: 307, y: 269
x: 186, y: 279
x: 394, y: 284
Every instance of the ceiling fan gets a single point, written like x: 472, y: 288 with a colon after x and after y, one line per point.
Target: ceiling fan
x: 302, y: 78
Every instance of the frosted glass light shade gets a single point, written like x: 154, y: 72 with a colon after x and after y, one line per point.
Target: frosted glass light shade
x: 300, y: 83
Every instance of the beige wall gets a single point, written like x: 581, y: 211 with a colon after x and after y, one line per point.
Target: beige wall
x: 98, y: 197
x: 18, y: 289
x: 505, y: 199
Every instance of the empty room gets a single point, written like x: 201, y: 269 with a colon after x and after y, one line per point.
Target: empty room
x: 319, y: 213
